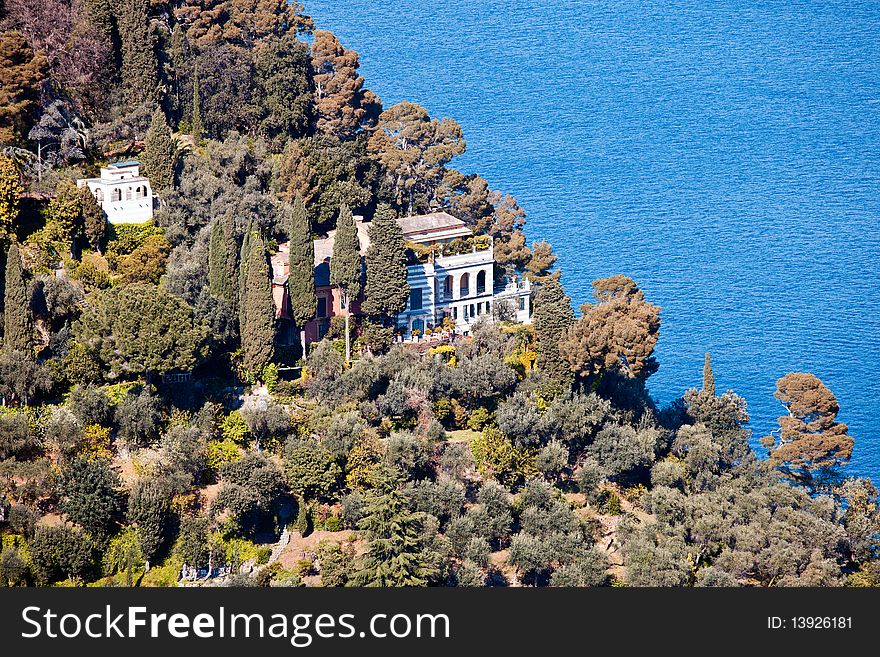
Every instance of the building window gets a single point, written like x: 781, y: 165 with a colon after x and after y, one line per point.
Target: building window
x: 116, y: 195
x: 488, y: 308
x: 472, y: 310
x: 128, y: 194
x: 447, y: 287
x: 99, y: 195
x: 455, y: 312
x: 481, y: 282
x: 480, y: 308
x: 322, y: 307
x: 464, y: 287
x: 522, y: 303
x: 415, y: 298
x: 323, y: 327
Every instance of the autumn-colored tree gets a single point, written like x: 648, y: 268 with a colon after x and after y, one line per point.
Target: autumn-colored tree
x: 301, y: 273
x: 160, y: 152
x: 18, y: 327
x: 810, y: 439
x: 10, y: 195
x: 413, y: 150
x: 510, y: 248
x: 22, y: 72
x: 239, y: 22
x: 342, y: 105
x: 386, y: 290
x: 93, y: 219
x: 541, y: 262
x: 617, y: 333
x: 140, y: 67
x: 345, y: 267
x: 470, y: 199
x: 552, y: 317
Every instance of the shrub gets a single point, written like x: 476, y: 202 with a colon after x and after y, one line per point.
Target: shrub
x: 235, y: 428
x: 479, y: 418
x: 333, y: 524
x: 221, y: 452
x: 496, y: 457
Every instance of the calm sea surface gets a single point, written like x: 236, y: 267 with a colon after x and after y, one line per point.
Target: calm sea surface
x: 725, y: 155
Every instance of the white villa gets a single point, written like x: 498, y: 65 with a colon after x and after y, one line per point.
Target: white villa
x: 125, y: 196
x: 451, y: 275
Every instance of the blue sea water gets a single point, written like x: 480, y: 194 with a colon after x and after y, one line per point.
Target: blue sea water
x: 724, y: 154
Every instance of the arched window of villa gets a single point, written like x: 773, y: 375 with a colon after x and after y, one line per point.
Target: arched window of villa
x: 99, y: 195
x: 116, y: 195
x: 128, y: 194
x: 447, y: 286
x: 481, y: 282
x: 464, y: 287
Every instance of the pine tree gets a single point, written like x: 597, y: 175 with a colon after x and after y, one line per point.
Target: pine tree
x: 160, y: 152
x: 93, y: 219
x: 10, y: 192
x: 198, y: 130
x: 386, y: 291
x: 552, y: 317
x: 708, y: 377
x: 345, y: 267
x: 395, y: 555
x: 301, y: 279
x: 17, y: 324
x: 140, y: 67
x: 257, y: 310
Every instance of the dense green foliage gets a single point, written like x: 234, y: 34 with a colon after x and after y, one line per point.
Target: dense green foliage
x: 135, y: 448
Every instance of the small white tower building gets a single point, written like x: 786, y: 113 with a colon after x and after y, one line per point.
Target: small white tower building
x: 125, y: 196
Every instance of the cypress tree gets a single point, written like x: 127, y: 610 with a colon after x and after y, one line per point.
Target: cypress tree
x: 708, y: 376
x: 232, y: 259
x: 159, y: 152
x: 345, y: 267
x: 386, y: 291
x: 93, y: 219
x: 223, y: 280
x: 198, y: 130
x: 243, y: 259
x: 257, y: 310
x: 17, y: 324
x: 301, y: 281
x: 552, y: 317
x: 217, y: 261
x: 140, y: 67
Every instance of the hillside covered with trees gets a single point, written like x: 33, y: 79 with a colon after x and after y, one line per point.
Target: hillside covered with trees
x: 152, y: 428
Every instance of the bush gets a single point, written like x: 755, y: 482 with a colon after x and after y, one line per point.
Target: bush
x: 333, y: 524
x: 221, y: 452
x: 479, y: 418
x: 263, y: 555
x: 235, y: 428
